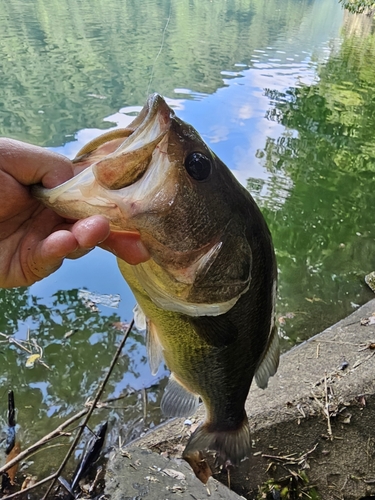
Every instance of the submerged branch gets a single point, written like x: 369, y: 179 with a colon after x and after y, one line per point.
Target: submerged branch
x: 91, y: 405
x: 90, y: 411
x: 29, y: 488
x: 34, y: 447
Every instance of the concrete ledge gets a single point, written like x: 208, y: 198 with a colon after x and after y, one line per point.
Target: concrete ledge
x: 316, y: 420
x: 138, y: 473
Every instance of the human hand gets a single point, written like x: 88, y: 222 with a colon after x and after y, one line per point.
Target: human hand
x: 33, y: 239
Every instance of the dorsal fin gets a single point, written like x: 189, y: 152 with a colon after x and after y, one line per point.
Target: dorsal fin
x: 178, y: 401
x: 270, y: 361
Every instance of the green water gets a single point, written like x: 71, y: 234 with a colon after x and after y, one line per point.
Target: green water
x: 283, y: 95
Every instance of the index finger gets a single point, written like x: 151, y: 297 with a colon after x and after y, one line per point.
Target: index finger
x: 30, y: 164
x: 127, y: 246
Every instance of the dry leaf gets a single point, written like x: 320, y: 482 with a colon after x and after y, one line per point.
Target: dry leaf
x: 347, y: 419
x: 368, y: 321
x: 175, y: 474
x: 31, y: 360
x: 29, y: 481
x: 13, y: 470
x: 361, y: 399
x: 121, y: 325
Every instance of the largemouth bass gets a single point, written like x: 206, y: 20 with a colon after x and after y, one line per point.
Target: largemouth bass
x: 206, y: 296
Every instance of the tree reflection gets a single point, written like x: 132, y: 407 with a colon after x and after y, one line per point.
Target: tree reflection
x: 67, y: 65
x: 78, y: 363
x: 320, y: 202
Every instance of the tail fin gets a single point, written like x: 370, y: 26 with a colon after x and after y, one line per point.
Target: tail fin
x: 229, y: 447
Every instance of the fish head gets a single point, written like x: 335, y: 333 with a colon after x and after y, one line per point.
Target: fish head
x: 159, y: 178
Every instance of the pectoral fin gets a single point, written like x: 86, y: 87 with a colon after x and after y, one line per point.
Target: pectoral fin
x: 140, y: 320
x: 178, y: 401
x: 154, y: 348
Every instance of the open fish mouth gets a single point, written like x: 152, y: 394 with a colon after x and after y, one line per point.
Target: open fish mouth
x: 116, y: 161
x: 158, y: 178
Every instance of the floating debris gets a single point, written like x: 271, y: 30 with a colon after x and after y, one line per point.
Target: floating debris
x: 89, y: 457
x: 282, y: 319
x: 16, y: 450
x: 122, y: 326
x: 91, y: 299
x: 31, y: 360
x: 28, y: 481
x: 91, y: 454
x: 70, y: 333
x: 30, y: 346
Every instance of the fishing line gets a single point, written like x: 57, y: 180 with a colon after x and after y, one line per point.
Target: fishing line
x: 161, y: 48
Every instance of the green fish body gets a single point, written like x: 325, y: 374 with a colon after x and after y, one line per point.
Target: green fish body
x: 207, y: 295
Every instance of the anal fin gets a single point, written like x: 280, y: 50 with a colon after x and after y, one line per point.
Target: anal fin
x: 178, y: 401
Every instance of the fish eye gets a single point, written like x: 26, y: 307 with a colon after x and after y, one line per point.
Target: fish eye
x: 198, y: 166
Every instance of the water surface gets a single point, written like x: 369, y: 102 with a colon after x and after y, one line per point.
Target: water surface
x: 283, y: 95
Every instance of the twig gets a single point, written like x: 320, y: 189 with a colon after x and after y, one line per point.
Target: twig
x: 337, y: 342
x: 56, y: 433
x: 39, y: 483
x: 329, y: 428
x: 12, y: 340
x: 357, y: 363
x: 104, y: 404
x: 280, y: 457
x: 96, y: 479
x: 90, y: 411
x: 144, y: 401
x: 325, y: 407
x: 34, y: 447
x: 290, y: 459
